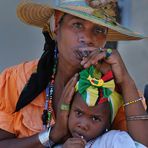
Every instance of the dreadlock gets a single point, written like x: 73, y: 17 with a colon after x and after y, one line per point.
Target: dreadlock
x: 40, y: 79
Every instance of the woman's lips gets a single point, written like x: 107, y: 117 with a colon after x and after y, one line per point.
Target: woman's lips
x: 85, y: 53
x: 81, y: 54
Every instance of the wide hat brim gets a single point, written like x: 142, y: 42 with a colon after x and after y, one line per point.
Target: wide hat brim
x: 38, y: 15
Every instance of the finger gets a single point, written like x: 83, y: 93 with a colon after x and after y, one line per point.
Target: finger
x: 95, y: 59
x: 65, y: 103
x: 104, y: 55
x: 69, y: 90
x: 66, y: 97
x: 114, y: 58
x: 71, y: 82
x: 84, y: 141
x: 78, y: 141
x: 86, y: 59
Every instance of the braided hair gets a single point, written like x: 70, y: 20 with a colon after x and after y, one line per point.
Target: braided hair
x: 39, y: 79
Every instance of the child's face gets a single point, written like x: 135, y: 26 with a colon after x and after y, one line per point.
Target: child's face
x: 86, y: 121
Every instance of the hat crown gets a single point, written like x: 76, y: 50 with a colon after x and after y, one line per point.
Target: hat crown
x: 104, y: 9
x: 82, y: 2
x: 91, y: 3
x: 60, y: 3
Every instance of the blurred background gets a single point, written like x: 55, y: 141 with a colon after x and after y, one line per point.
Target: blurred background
x: 20, y: 42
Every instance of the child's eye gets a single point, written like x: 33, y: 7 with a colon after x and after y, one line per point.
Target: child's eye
x: 78, y: 25
x: 78, y: 113
x: 94, y: 118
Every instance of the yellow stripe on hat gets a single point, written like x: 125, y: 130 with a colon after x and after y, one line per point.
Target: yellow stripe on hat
x: 92, y: 96
x: 110, y: 84
x: 115, y: 100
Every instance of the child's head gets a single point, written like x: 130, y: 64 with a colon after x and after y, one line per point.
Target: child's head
x: 88, y: 121
x: 94, y: 106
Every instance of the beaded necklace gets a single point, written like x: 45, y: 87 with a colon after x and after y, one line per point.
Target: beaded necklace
x: 48, y: 111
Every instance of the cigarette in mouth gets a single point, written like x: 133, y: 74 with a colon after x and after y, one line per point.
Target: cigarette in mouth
x: 85, y: 53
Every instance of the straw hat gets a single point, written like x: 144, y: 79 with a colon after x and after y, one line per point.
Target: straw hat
x: 97, y: 11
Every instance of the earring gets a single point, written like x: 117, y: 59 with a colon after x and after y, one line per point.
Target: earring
x: 106, y: 130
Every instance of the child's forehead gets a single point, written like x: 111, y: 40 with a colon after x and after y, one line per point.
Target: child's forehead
x: 81, y: 104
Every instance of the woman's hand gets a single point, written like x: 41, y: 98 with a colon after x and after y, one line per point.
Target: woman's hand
x: 60, y: 130
x: 74, y: 143
x: 113, y: 62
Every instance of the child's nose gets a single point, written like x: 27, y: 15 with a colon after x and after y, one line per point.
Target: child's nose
x: 83, y: 125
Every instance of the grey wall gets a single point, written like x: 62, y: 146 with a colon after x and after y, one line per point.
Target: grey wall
x: 20, y: 42
x: 135, y: 53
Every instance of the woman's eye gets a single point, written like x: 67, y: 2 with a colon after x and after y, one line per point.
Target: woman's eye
x: 78, y: 26
x: 99, y: 30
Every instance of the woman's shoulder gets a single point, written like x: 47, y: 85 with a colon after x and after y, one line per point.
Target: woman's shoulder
x: 24, y: 67
x: 20, y: 72
x: 12, y: 81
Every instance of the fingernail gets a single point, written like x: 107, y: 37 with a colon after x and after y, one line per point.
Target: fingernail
x: 85, y: 66
x: 82, y: 63
x: 76, y: 75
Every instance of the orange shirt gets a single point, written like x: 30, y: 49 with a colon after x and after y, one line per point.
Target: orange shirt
x: 27, y: 121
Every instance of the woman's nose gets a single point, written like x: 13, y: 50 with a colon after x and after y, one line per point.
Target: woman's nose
x: 86, y: 38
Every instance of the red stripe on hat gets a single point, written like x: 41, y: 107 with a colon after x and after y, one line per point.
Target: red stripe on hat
x: 102, y: 100
x: 108, y: 76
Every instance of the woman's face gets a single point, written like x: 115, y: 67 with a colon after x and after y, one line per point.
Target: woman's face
x: 74, y: 33
x: 86, y: 121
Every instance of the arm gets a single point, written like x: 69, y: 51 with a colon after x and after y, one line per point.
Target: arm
x: 6, y: 138
x: 137, y: 129
x: 62, y: 115
x: 8, y: 98
x: 9, y: 140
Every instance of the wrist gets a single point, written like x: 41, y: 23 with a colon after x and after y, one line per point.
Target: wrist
x: 57, y: 136
x: 127, y: 81
x: 44, y: 138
